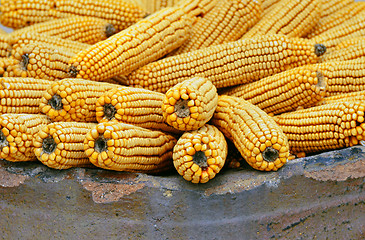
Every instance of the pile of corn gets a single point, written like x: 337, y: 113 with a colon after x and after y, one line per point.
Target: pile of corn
x: 195, y: 85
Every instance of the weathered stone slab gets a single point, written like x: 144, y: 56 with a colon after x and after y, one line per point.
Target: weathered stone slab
x: 321, y: 197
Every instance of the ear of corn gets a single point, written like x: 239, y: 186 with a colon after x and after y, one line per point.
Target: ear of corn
x: 352, y: 51
x: 21, y: 95
x: 124, y: 147
x: 259, y: 139
x: 196, y: 8
x: 190, y: 104
x: 337, y: 18
x: 141, y: 43
x: 60, y: 145
x: 82, y: 29
x: 268, y: 5
x: 200, y: 154
x: 332, y: 6
x: 152, y: 6
x: 135, y: 106
x: 16, y: 135
x: 226, y: 22
x: 5, y: 48
x: 348, y: 42
x: 291, y: 18
x: 6, y: 66
x: 238, y: 62
x: 285, y: 91
x: 322, y: 128
x: 351, y: 96
x: 71, y: 99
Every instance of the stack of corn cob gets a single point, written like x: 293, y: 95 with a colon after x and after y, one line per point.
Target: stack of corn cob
x: 148, y: 86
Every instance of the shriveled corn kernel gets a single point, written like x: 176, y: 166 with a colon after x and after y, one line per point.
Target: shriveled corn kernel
x: 229, y: 64
x: 147, y: 40
x: 323, y: 128
x: 245, y: 124
x: 292, y: 18
x: 16, y: 135
x: 284, y: 92
x: 73, y: 99
x: 190, y: 104
x: 129, y: 148
x: 60, y: 145
x: 210, y: 160
x: 82, y: 29
x: 135, y: 106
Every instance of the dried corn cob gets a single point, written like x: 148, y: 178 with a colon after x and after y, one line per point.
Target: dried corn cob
x: 6, y: 63
x: 4, y: 46
x: 322, y: 128
x: 143, y: 42
x: 353, y: 51
x: 353, y: 27
x: 21, y: 95
x: 200, y: 154
x: 351, y: 96
x: 190, y: 104
x: 152, y: 6
x: 16, y: 135
x: 284, y: 92
x: 229, y: 64
x: 226, y: 22
x: 292, y: 18
x: 332, y: 6
x: 135, y: 106
x: 124, y: 147
x: 337, y: 18
x: 255, y: 134
x: 43, y: 61
x: 23, y: 13
x: 60, y: 145
x: 21, y: 40
x: 82, y: 29
x: 72, y: 99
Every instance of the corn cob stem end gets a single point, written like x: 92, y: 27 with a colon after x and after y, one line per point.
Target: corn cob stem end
x: 319, y: 49
x: 200, y: 159
x: 181, y: 108
x: 49, y: 145
x: 109, y: 111
x: 101, y: 145
x: 56, y: 102
x: 270, y: 154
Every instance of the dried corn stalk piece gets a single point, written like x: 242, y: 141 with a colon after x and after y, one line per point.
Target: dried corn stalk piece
x: 337, y: 18
x: 141, y: 43
x: 291, y: 18
x: 200, y: 154
x: 21, y: 95
x: 259, y: 139
x: 226, y: 22
x: 352, y: 51
x: 43, y: 61
x: 322, y: 128
x: 60, y: 145
x: 284, y: 92
x: 190, y: 104
x: 72, y: 99
x: 125, y: 147
x: 332, y: 6
x: 238, y: 62
x: 16, y: 135
x: 81, y: 29
x: 136, y: 106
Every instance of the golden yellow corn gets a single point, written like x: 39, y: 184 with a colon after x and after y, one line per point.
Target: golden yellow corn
x: 60, y: 145
x: 233, y: 63
x: 196, y: 8
x: 284, y: 92
x: 72, y: 99
x: 292, y: 18
x: 190, y: 104
x: 22, y: 13
x: 5, y: 48
x: 125, y: 147
x: 226, y: 22
x: 200, y: 154
x: 21, y: 95
x: 5, y: 63
x: 16, y: 135
x: 259, y: 139
x: 135, y: 106
x: 43, y: 61
x: 268, y: 5
x: 326, y: 127
x: 141, y: 43
x: 337, y: 18
x: 352, y: 51
x: 348, y: 42
x: 351, y: 96
x: 332, y: 6
x: 152, y: 6
x: 82, y: 29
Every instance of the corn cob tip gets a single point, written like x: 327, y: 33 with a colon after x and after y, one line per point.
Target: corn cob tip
x: 109, y: 111
x: 270, y: 154
x: 72, y: 70
x: 49, y: 145
x: 56, y: 102
x: 110, y: 30
x: 319, y: 49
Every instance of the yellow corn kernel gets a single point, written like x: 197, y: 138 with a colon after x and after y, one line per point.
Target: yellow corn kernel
x: 152, y: 6
x: 332, y: 6
x: 208, y: 157
x: 5, y: 48
x: 192, y: 101
x: 72, y: 99
x: 6, y: 64
x: 351, y: 96
x: 125, y: 147
x: 268, y: 5
x: 350, y: 52
x: 258, y: 138
x: 16, y: 135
